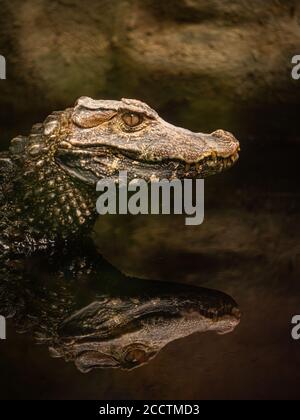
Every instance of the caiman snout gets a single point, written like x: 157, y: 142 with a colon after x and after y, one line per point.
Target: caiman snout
x: 197, y: 154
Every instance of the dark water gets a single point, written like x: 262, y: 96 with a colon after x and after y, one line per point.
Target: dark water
x: 248, y: 247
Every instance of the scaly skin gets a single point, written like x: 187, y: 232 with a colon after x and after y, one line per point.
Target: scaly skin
x: 48, y: 178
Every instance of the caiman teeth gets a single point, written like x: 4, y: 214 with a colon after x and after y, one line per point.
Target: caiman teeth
x: 210, y: 160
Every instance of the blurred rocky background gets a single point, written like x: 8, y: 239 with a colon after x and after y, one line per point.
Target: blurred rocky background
x: 204, y: 64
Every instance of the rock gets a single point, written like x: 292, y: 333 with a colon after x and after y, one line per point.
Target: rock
x: 202, y: 64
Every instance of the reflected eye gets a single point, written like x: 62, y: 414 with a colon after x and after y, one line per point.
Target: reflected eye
x: 136, y: 356
x: 132, y: 120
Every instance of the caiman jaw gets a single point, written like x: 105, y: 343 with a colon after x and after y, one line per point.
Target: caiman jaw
x: 106, y: 161
x: 212, y: 162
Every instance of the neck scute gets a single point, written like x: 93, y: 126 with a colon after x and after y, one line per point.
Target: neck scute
x: 40, y: 203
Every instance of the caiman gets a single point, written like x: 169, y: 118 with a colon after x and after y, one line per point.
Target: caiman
x: 48, y: 179
x: 47, y: 208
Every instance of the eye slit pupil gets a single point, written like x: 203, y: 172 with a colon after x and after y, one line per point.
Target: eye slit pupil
x: 131, y: 119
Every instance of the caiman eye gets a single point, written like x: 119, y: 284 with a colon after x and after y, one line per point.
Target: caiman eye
x: 136, y: 356
x: 132, y: 119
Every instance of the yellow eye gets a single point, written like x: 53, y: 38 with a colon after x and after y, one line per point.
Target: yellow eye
x: 131, y: 119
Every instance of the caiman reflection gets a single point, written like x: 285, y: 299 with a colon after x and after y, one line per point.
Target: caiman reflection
x: 85, y: 311
x: 127, y: 332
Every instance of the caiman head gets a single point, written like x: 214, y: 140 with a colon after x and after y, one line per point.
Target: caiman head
x: 129, y: 332
x: 64, y: 158
x: 111, y: 136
